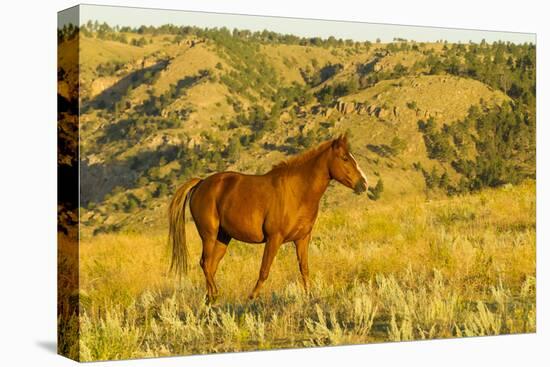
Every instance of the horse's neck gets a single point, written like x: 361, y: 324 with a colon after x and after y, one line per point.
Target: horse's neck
x: 310, y: 180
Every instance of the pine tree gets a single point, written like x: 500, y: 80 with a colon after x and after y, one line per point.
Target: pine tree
x: 375, y: 192
x: 234, y: 149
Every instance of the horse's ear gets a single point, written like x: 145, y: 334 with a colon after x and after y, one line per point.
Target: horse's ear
x: 339, y: 142
x: 335, y: 142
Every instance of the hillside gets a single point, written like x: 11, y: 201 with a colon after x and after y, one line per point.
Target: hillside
x: 159, y: 107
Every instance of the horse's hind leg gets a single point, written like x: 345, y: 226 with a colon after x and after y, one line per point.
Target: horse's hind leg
x: 211, y: 257
x: 217, y: 254
x: 208, y: 245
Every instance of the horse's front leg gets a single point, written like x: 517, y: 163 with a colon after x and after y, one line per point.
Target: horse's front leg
x: 270, y: 250
x: 302, y: 246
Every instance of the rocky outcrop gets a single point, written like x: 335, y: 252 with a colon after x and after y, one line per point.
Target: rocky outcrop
x: 144, y: 63
x: 347, y: 108
x: 323, y: 111
x: 122, y: 77
x: 162, y: 141
x: 100, y: 84
x: 432, y: 113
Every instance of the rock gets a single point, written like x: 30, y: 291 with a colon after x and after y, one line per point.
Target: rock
x: 395, y: 111
x: 370, y: 109
x: 193, y: 142
x: 307, y: 126
x: 328, y: 112
x: 361, y: 109
x: 301, y: 112
x: 340, y: 106
x: 100, y: 84
x: 94, y: 159
x: 162, y: 140
x: 382, y: 113
x: 437, y: 113
x: 285, y: 117
x: 345, y: 108
x: 147, y: 62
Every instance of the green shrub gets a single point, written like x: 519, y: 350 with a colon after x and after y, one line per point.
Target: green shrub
x: 375, y: 192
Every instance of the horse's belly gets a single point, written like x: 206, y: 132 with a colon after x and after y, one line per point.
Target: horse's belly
x: 243, y: 227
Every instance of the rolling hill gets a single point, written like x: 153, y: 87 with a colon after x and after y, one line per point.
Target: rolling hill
x: 158, y: 107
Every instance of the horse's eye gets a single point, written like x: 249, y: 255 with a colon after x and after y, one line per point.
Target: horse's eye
x: 345, y: 158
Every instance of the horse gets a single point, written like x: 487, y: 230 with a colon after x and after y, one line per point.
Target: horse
x: 277, y: 207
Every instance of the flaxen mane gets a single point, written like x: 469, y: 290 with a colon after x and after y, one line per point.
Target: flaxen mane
x: 299, y: 159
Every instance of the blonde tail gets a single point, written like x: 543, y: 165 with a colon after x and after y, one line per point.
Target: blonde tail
x: 176, y: 236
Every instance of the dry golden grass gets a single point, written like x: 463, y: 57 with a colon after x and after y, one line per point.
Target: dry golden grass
x: 463, y: 266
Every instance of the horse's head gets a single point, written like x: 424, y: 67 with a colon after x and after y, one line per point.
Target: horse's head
x: 344, y: 168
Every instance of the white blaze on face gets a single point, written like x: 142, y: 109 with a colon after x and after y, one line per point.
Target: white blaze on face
x: 358, y: 168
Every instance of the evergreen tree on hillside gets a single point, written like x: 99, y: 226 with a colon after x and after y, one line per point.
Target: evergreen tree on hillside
x: 504, y: 143
x: 234, y: 149
x: 375, y: 192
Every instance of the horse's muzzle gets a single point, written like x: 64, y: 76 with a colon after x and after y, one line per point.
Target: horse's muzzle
x: 360, y: 187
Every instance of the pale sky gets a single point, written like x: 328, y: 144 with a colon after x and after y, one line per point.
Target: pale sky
x: 135, y: 17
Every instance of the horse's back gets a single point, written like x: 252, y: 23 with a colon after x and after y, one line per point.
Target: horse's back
x: 227, y: 184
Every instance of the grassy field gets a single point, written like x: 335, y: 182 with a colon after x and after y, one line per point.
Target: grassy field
x: 415, y: 269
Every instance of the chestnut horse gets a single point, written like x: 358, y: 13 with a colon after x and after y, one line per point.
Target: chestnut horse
x: 277, y: 207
